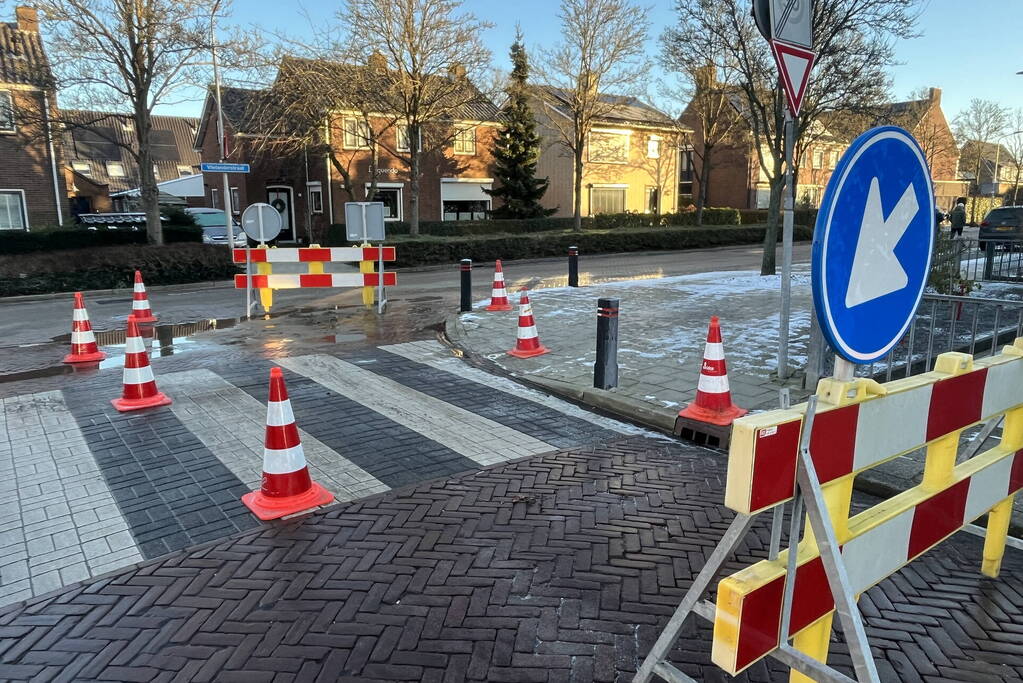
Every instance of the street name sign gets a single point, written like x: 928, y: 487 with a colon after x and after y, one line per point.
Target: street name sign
x: 217, y: 167
x: 872, y: 244
x: 261, y: 222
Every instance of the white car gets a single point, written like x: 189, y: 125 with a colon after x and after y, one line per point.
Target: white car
x: 214, y: 227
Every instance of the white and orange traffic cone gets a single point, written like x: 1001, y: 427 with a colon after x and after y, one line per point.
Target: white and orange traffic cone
x: 139, y: 384
x: 83, y: 340
x: 713, y: 398
x: 287, y: 487
x: 527, y: 342
x: 498, y: 295
x: 140, y: 302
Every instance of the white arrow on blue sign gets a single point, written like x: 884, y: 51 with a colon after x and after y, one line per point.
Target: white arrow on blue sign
x: 217, y: 167
x: 872, y: 244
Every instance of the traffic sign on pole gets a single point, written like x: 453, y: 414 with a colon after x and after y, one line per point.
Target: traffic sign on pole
x: 872, y: 244
x: 794, y: 65
x: 792, y: 22
x: 261, y: 222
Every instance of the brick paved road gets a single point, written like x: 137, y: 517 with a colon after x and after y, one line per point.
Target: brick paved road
x: 560, y: 567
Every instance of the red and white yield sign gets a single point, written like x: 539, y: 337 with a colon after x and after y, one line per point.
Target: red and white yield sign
x: 791, y: 25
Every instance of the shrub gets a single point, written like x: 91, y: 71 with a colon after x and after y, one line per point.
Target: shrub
x: 112, y: 267
x: 83, y: 238
x: 759, y: 216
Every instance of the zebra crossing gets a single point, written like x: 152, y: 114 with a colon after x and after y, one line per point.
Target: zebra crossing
x: 95, y: 490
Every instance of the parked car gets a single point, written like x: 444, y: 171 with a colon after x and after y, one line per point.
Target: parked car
x: 1003, y: 224
x: 214, y: 226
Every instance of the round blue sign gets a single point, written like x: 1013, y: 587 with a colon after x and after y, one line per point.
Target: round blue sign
x: 872, y: 244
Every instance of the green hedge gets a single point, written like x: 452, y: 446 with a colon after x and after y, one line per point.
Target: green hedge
x: 759, y: 216
x: 431, y: 250
x: 112, y: 267
x: 83, y: 238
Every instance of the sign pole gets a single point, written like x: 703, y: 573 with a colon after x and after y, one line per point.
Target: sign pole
x: 786, y: 249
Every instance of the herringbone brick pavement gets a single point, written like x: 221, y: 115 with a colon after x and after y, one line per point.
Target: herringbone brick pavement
x: 561, y: 567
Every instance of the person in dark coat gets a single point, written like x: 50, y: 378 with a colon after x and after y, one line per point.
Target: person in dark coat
x: 958, y: 219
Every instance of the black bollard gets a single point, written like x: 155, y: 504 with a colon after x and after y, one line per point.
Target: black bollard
x: 465, y: 266
x: 573, y: 266
x: 605, y: 369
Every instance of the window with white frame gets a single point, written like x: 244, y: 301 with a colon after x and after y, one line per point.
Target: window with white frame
x: 465, y: 141
x: 833, y: 160
x: 391, y: 197
x: 6, y: 112
x: 214, y: 198
x: 653, y: 147
x: 184, y: 171
x: 12, y: 210
x: 82, y: 167
x: 607, y: 200
x: 403, y: 140
x: 652, y: 199
x: 356, y: 133
x: 315, y: 191
x: 156, y: 172
x: 685, y: 170
x: 609, y: 147
x: 115, y: 169
x: 818, y: 158
x: 236, y: 201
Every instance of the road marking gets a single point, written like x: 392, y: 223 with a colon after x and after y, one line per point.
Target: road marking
x: 60, y: 522
x: 231, y: 424
x: 438, y: 356
x: 477, y: 438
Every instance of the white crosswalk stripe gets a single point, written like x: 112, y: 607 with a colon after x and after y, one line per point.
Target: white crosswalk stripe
x: 477, y: 438
x: 231, y: 423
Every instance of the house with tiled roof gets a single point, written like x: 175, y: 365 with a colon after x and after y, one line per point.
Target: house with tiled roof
x: 310, y: 184
x: 32, y: 188
x: 630, y: 160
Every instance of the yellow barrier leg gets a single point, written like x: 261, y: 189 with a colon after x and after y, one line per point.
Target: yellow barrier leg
x: 368, y: 293
x: 941, y: 460
x: 813, y: 641
x: 266, y: 295
x: 315, y: 267
x: 994, y: 540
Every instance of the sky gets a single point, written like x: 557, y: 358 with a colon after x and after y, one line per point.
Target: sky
x: 968, y: 48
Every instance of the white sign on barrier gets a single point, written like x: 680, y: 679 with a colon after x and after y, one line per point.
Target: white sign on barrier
x: 364, y: 221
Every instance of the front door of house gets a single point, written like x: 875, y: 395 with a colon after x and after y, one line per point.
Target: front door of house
x: 280, y: 199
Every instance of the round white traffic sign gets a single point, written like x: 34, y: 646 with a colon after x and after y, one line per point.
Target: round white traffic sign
x: 261, y: 222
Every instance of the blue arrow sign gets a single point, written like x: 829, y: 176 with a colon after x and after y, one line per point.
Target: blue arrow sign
x: 214, y: 167
x: 872, y: 244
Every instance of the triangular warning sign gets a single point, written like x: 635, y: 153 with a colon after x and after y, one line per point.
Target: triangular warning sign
x: 794, y: 64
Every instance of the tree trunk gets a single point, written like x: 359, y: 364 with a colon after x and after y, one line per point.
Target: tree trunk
x: 346, y: 178
x: 768, y: 264
x: 701, y: 199
x: 149, y: 194
x: 414, y: 192
x: 577, y: 225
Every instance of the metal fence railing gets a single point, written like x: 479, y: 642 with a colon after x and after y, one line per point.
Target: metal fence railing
x: 958, y: 260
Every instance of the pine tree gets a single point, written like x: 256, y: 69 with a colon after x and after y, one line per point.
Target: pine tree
x: 517, y: 149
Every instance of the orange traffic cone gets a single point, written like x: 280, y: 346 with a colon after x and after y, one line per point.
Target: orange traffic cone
x: 287, y: 487
x: 83, y: 340
x: 713, y: 398
x: 527, y: 342
x: 140, y: 302
x: 139, y: 384
x: 498, y: 295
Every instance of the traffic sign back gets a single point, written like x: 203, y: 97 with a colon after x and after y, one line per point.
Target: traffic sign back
x: 261, y: 222
x: 872, y: 244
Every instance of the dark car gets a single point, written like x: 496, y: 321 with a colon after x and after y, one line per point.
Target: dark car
x: 1003, y: 224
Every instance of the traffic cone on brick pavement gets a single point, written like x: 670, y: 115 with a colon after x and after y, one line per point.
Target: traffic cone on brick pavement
x: 498, y: 295
x: 140, y: 302
x: 287, y: 487
x: 527, y: 342
x: 713, y: 399
x: 83, y: 341
x: 139, y: 384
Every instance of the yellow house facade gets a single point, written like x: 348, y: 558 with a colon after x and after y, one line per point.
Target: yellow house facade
x: 630, y: 158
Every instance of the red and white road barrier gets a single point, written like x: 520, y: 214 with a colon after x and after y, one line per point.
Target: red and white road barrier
x: 713, y: 397
x: 139, y: 384
x: 315, y: 255
x: 83, y: 340
x: 140, y: 302
x: 527, y: 342
x: 297, y: 280
x: 287, y: 487
x: 498, y: 294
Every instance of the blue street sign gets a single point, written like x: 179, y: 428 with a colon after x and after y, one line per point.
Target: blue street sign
x: 213, y: 167
x: 872, y: 244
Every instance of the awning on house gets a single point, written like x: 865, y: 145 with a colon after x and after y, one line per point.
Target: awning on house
x: 186, y: 186
x: 465, y: 189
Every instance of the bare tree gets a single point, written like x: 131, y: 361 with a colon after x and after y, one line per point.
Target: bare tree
x: 1013, y: 143
x: 854, y: 44
x: 597, y: 65
x: 979, y: 124
x: 140, y: 54
x: 432, y: 52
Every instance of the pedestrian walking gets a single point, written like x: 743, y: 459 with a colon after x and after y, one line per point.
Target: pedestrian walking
x: 958, y: 219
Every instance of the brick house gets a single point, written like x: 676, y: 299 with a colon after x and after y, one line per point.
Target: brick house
x: 32, y: 186
x: 310, y: 191
x: 100, y: 167
x: 737, y: 180
x: 630, y: 162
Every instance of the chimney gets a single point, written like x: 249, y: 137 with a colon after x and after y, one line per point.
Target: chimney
x: 28, y: 18
x: 377, y: 61
x: 456, y: 71
x: 706, y: 77
x: 934, y: 95
x: 588, y: 83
